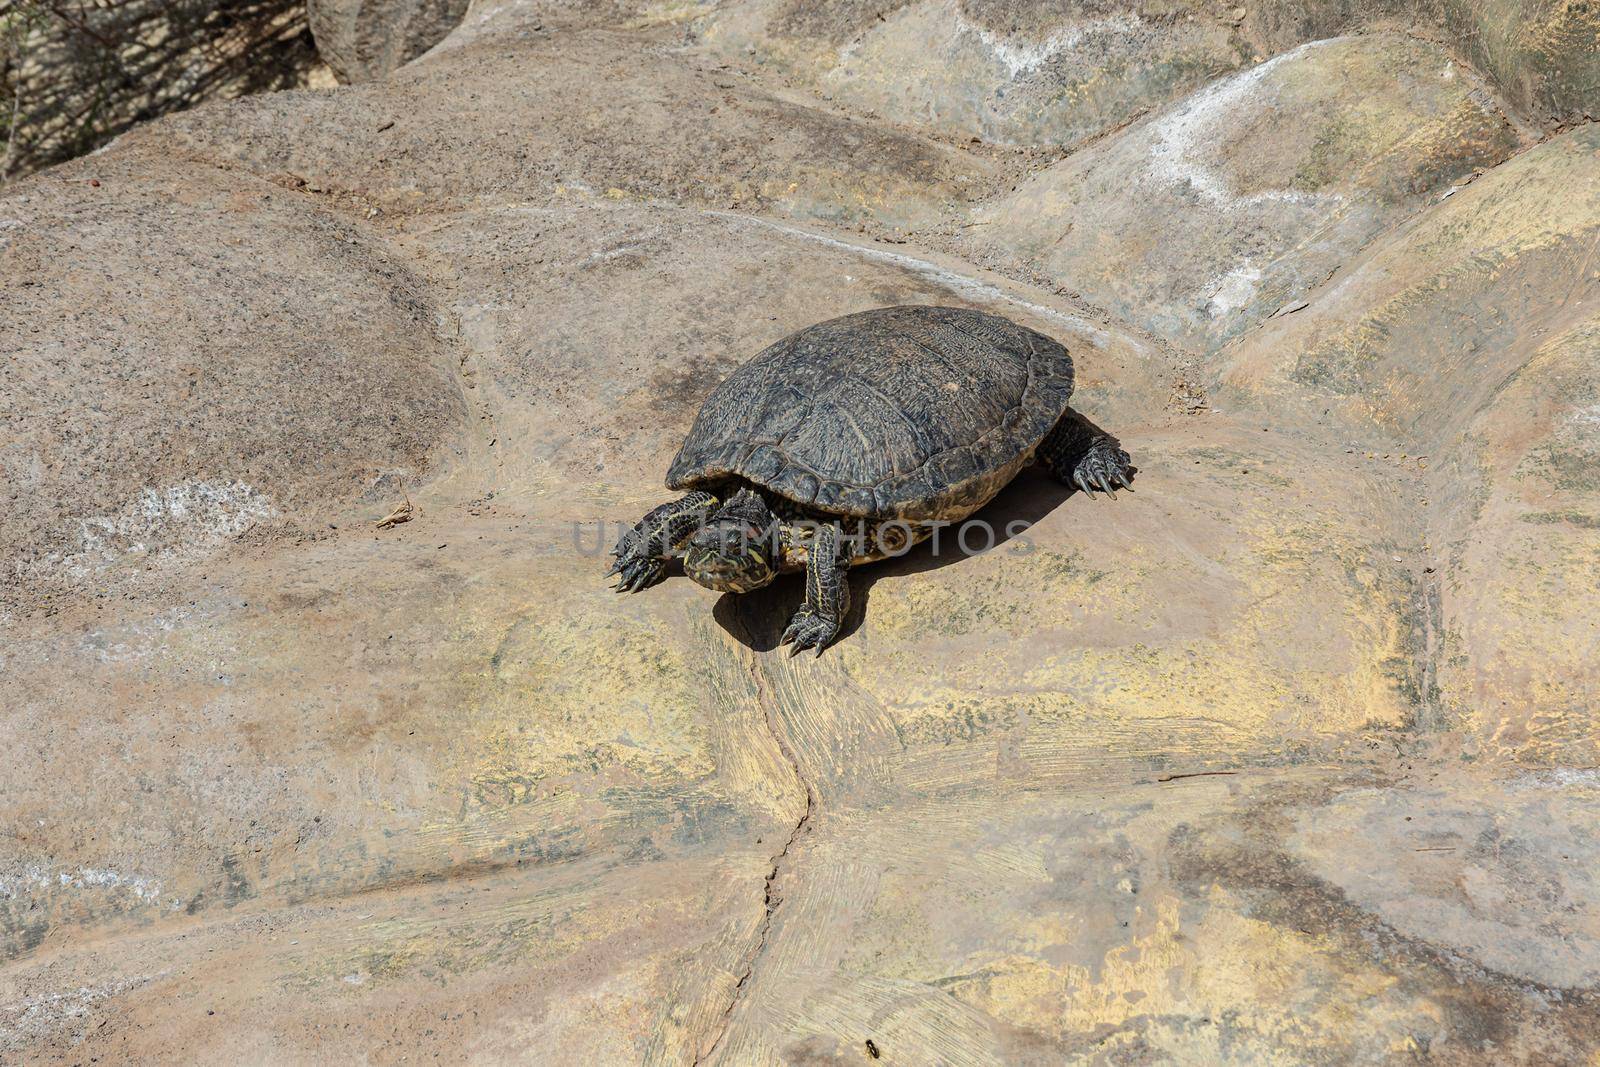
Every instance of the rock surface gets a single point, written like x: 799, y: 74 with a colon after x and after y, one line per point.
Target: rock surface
x: 191, y: 353
x: 1015, y: 73
x: 582, y: 112
x: 1196, y: 225
x: 363, y: 40
x: 1470, y: 336
x: 1287, y: 755
x: 1039, y: 72
x: 1542, y: 53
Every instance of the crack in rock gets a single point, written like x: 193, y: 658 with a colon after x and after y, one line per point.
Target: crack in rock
x: 771, y: 898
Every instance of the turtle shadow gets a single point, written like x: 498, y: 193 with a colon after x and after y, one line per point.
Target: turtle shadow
x: 1029, y: 497
x: 757, y: 620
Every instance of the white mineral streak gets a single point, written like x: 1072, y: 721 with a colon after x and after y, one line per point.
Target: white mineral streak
x: 172, y: 523
x: 1180, y: 139
x: 931, y: 271
x: 36, y: 878
x: 1235, y: 291
x: 1024, y: 57
x: 29, y: 1019
x: 944, y: 26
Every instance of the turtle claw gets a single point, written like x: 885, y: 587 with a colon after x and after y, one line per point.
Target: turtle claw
x: 809, y: 630
x: 636, y: 572
x: 1104, y: 469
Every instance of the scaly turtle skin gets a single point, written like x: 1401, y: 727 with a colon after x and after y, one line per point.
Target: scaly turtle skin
x: 852, y: 440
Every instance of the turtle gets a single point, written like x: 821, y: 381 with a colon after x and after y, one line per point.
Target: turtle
x: 854, y: 439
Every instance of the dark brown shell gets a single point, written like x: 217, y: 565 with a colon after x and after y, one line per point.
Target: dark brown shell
x: 903, y: 412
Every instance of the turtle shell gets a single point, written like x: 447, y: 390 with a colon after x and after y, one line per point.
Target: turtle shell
x: 901, y: 412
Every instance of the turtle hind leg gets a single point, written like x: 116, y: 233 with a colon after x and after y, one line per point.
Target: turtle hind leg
x: 642, y: 553
x: 1081, y: 454
x: 817, y: 622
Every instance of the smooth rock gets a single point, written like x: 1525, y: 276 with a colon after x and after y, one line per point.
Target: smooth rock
x: 1470, y: 338
x: 1209, y: 216
x: 585, y: 112
x: 190, y: 354
x: 1008, y: 72
x: 363, y: 40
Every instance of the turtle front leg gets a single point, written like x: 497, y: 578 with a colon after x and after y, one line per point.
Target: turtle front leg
x: 642, y: 553
x: 817, y: 622
x: 1082, y: 454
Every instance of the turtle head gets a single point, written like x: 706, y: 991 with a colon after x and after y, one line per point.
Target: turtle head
x: 732, y: 553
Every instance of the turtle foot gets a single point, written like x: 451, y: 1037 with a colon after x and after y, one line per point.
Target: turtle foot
x: 808, y: 629
x: 634, y: 570
x: 1105, y: 467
